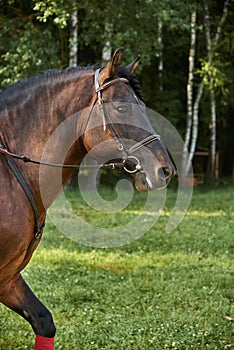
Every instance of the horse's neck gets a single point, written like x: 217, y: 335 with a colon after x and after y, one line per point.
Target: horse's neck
x: 47, y: 127
x: 31, y: 123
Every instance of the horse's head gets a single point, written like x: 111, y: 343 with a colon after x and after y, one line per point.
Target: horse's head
x: 118, y: 123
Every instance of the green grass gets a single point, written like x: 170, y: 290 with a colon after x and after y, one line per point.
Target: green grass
x: 163, y: 291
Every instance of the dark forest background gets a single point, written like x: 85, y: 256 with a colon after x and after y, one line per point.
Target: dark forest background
x: 40, y: 35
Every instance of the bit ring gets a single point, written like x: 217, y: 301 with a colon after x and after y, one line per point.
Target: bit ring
x: 138, y: 166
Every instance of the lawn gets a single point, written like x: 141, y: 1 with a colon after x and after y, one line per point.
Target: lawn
x: 162, y: 291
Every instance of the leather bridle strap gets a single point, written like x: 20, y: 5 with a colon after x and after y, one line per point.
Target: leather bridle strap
x: 127, y: 155
x: 126, y: 152
x: 25, y: 159
x: 105, y: 116
x: 38, y: 227
x: 143, y: 143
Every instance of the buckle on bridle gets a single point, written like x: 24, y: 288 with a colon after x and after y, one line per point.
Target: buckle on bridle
x: 137, y: 165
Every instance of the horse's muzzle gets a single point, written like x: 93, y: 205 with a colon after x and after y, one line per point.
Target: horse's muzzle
x: 146, y: 181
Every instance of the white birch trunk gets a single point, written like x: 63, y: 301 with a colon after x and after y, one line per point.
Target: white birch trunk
x: 160, y: 56
x: 210, y: 51
x: 195, y: 119
x: 195, y: 124
x: 106, y: 52
x: 220, y: 25
x: 212, y: 94
x: 107, y: 49
x: 213, y: 138
x: 186, y: 163
x: 73, y: 54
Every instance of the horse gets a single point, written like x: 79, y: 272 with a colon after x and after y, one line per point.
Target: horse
x: 30, y: 112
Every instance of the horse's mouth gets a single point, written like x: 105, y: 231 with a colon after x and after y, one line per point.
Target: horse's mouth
x: 146, y: 181
x: 144, y: 184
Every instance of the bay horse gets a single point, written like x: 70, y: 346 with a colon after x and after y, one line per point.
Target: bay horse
x: 30, y: 112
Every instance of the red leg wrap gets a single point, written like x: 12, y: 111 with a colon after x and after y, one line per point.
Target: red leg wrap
x: 43, y: 343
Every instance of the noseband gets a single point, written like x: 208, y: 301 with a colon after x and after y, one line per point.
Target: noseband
x: 126, y: 152
x: 126, y: 155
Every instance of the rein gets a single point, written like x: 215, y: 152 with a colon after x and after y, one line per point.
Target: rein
x: 127, y: 155
x: 25, y: 159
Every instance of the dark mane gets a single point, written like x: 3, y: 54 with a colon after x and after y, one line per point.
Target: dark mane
x: 124, y: 73
x: 22, y: 88
x: 17, y: 89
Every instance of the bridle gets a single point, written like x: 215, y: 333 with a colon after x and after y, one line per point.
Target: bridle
x: 127, y: 154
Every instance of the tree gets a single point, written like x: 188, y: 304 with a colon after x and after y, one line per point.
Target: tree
x: 190, y: 83
x: 35, y: 36
x: 73, y: 54
x: 26, y: 47
x: 211, y: 81
x: 208, y: 74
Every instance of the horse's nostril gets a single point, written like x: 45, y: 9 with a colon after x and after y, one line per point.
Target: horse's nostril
x: 165, y: 172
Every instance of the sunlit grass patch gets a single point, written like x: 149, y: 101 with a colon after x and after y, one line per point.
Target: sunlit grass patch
x: 162, y: 291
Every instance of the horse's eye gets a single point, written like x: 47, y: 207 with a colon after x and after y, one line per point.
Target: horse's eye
x: 122, y: 109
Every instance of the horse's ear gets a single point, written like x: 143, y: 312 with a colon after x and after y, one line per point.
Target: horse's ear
x: 133, y: 66
x: 111, y: 67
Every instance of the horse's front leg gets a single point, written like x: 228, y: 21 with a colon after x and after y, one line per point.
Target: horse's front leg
x: 19, y: 297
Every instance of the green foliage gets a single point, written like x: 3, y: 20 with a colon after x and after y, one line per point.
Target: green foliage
x: 26, y: 47
x: 134, y: 25
x: 213, y: 75
x: 34, y: 36
x: 25, y: 56
x: 160, y: 292
x: 59, y: 10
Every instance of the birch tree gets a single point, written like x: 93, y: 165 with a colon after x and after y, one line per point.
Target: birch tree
x: 193, y: 122
x: 73, y: 53
x: 107, y: 49
x: 211, y: 93
x: 210, y: 52
x: 160, y: 54
x: 186, y: 164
